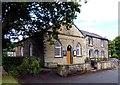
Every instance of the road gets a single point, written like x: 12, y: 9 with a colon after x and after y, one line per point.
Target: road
x: 107, y: 76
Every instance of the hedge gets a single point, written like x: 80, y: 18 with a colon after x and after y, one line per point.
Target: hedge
x: 8, y: 62
x: 21, y: 65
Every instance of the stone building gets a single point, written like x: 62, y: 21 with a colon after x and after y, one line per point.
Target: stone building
x: 73, y: 47
x: 95, y: 45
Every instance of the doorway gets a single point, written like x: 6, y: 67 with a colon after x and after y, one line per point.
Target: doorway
x: 69, y: 55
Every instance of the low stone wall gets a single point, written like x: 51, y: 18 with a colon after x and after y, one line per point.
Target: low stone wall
x: 64, y: 70
x: 105, y: 65
x: 50, y: 65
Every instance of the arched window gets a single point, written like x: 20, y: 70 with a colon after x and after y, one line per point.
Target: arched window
x: 30, y: 49
x: 21, y: 51
x: 90, y: 53
x: 58, y: 49
x: 79, y: 50
x: 96, y: 53
x: 102, y: 54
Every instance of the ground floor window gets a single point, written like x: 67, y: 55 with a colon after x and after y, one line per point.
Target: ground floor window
x: 102, y: 54
x: 96, y: 53
x: 78, y: 50
x: 58, y: 49
x: 90, y: 53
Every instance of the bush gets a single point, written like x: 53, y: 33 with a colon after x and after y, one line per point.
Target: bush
x: 4, y: 53
x: 30, y: 65
x: 104, y: 59
x: 99, y: 59
x: 114, y: 56
x: 21, y: 65
x: 13, y: 71
x: 9, y: 62
x: 87, y: 59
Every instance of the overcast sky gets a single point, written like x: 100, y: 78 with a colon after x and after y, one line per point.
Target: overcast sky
x: 100, y: 17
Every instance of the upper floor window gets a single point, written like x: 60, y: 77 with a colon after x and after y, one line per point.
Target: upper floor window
x: 21, y: 51
x: 102, y: 43
x: 30, y: 50
x: 102, y: 54
x: 90, y: 53
x: 79, y: 50
x: 90, y: 41
x: 58, y: 49
x: 96, y: 53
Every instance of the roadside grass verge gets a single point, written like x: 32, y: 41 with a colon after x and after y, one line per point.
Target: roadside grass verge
x: 7, y: 80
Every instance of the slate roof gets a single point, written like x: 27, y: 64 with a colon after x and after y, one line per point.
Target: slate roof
x: 92, y: 34
x: 86, y: 33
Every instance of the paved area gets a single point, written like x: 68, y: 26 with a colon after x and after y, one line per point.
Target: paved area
x: 107, y: 76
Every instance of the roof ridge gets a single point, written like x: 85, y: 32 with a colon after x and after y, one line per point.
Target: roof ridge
x: 90, y: 33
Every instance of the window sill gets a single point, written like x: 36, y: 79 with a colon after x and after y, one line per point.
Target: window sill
x: 78, y: 55
x: 90, y: 45
x: 58, y: 57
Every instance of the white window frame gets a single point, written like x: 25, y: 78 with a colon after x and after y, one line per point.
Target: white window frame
x: 60, y: 49
x: 96, y: 53
x: 90, y: 50
x: 102, y: 43
x: 79, y: 49
x: 30, y: 50
x: 103, y: 54
x: 90, y: 41
x: 21, y: 51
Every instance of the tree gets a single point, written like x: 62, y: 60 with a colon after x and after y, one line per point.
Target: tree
x: 111, y: 47
x: 117, y: 46
x: 29, y: 18
x: 114, y: 47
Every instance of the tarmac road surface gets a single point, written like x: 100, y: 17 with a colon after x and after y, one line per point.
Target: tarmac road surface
x: 106, y: 76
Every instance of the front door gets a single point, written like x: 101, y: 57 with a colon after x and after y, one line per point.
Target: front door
x: 69, y: 55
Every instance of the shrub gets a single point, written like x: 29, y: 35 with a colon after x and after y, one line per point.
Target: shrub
x: 4, y: 53
x: 30, y: 65
x: 9, y: 62
x: 87, y: 59
x: 114, y: 56
x: 13, y: 71
x: 99, y: 59
x: 104, y: 59
x: 21, y: 65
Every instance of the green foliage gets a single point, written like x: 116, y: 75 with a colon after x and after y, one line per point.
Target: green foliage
x: 4, y: 53
x: 111, y: 46
x: 10, y: 47
x: 114, y: 47
x: 10, y: 62
x: 117, y: 45
x: 87, y: 59
x: 49, y: 15
x: 30, y: 66
x: 104, y: 59
x: 21, y: 65
x: 13, y: 71
x: 96, y: 59
x: 114, y: 56
x: 7, y: 80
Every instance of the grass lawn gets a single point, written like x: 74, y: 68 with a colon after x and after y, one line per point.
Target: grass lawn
x: 9, y: 79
